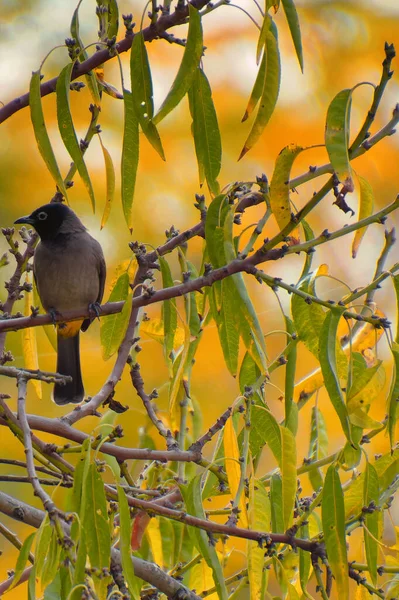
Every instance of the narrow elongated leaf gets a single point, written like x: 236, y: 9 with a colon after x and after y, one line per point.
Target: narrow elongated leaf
x: 337, y: 137
x: 366, y: 385
x: 257, y: 89
x: 309, y: 235
x: 290, y: 369
x: 228, y: 325
x: 40, y: 131
x: 233, y: 467
x: 280, y: 190
x: 193, y: 500
x: 29, y: 346
x: 132, y: 581
x: 42, y: 544
x: 276, y: 500
x: 304, y: 562
x: 333, y: 518
x: 52, y: 563
x: 67, y: 130
x: 259, y: 516
x: 169, y: 311
x: 113, y: 19
x: 155, y: 329
x: 371, y: 496
x: 293, y: 23
x: 113, y: 327
x: 318, y: 445
x: 130, y: 157
x: 270, y: 91
x: 328, y: 364
x: 140, y: 75
x: 95, y: 520
x: 110, y: 179
x: 205, y: 129
x: 91, y: 79
x: 190, y: 61
x: 22, y: 559
x: 267, y: 21
x: 393, y: 398
x: 366, y: 207
x: 287, y: 588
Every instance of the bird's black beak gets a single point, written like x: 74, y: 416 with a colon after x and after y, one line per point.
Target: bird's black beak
x: 24, y: 221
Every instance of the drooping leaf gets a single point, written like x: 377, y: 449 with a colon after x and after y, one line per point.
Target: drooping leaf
x: 333, y: 518
x: 393, y: 398
x: 29, y: 346
x: 193, y: 501
x: 287, y: 588
x: 22, y: 559
x: 228, y: 326
x: 169, y: 311
x: 267, y: 21
x: 309, y: 235
x: 113, y: 327
x: 130, y: 157
x: 290, y: 369
x: 318, y: 445
x: 132, y: 581
x: 205, y: 130
x: 337, y: 137
x: 257, y: 89
x: 52, y: 562
x: 190, y: 61
x: 270, y: 91
x: 233, y: 468
x: 110, y: 184
x: 366, y: 206
x: 371, y: 495
x: 67, y: 129
x: 113, y: 19
x: 367, y: 383
x: 154, y: 328
x: 328, y: 364
x: 259, y: 515
x: 140, y: 74
x: 293, y: 22
x: 91, y: 79
x: 276, y: 502
x: 42, y: 544
x: 41, y: 135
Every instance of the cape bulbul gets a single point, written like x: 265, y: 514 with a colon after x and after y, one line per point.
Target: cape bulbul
x: 69, y: 271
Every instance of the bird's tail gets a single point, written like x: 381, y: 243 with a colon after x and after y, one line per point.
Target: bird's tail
x: 68, y: 363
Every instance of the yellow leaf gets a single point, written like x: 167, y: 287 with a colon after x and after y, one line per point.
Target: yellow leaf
x: 233, y: 468
x: 201, y: 579
x: 153, y: 534
x: 155, y: 330
x: 29, y: 346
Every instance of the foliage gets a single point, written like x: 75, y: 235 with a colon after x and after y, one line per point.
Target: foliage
x: 134, y: 535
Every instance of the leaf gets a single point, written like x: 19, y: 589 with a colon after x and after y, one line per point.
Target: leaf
x: 52, y: 562
x: 280, y: 190
x: 130, y: 157
x: 40, y: 131
x: 257, y: 89
x: 309, y: 235
x: 154, y: 328
x: 259, y: 515
x: 81, y: 469
x: 205, y: 130
x: 154, y: 538
x: 91, y: 79
x: 290, y: 369
x: 328, y: 364
x: 67, y: 130
x: 293, y: 23
x: 42, y: 544
x: 393, y: 398
x: 287, y: 588
x: 110, y: 180
x: 169, y: 311
x: 113, y: 327
x: 193, y: 501
x: 261, y: 45
x: 318, y: 445
x: 304, y: 561
x: 133, y: 583
x: 22, y: 559
x: 337, y: 137
x: 29, y: 346
x: 270, y: 90
x: 366, y: 208
x: 142, y: 93
x: 366, y: 385
x: 228, y: 326
x: 371, y: 495
x: 333, y: 518
x: 276, y: 500
x: 113, y: 19
x: 233, y: 468
x: 190, y: 61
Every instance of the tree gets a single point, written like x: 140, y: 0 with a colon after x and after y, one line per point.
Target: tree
x: 152, y: 532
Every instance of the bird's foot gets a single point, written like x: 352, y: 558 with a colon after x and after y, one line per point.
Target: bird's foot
x: 54, y: 314
x: 95, y: 307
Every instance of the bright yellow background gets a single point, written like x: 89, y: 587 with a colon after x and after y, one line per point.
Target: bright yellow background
x: 343, y: 45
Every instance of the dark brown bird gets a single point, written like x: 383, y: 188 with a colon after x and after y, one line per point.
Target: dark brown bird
x: 69, y: 271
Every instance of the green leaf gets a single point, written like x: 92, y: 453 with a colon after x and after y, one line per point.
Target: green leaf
x: 257, y: 89
x: 393, y: 398
x: 67, y: 130
x: 190, y: 61
x: 75, y: 495
x: 270, y: 91
x: 40, y: 131
x: 308, y: 318
x: 261, y: 45
x: 52, y: 563
x: 290, y: 369
x: 276, y: 501
x: 395, y: 280
x: 337, y: 137
x: 259, y: 515
x: 366, y: 207
x: 304, y: 561
x: 113, y: 327
x: 293, y: 23
x: 32, y: 584
x: 133, y: 583
x: 205, y: 130
x: 371, y: 495
x: 110, y: 180
x: 318, y: 446
x: 130, y: 156
x: 113, y: 18
x: 249, y: 372
x: 22, y: 559
x: 333, y: 518
x: 328, y: 364
x: 53, y: 590
x: 280, y: 190
x: 140, y: 75
x: 91, y: 79
x: 287, y: 588
x: 193, y: 501
x: 309, y: 235
x: 169, y: 311
x: 229, y: 326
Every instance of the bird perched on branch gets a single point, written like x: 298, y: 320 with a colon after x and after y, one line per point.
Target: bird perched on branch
x: 69, y: 271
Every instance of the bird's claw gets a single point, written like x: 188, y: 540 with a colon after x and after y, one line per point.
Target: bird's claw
x: 95, y: 307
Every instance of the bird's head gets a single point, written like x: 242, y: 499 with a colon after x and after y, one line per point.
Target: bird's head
x: 48, y: 220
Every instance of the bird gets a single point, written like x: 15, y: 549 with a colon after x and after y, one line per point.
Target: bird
x: 69, y: 271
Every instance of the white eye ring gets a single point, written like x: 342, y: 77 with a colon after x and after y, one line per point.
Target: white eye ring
x: 42, y: 216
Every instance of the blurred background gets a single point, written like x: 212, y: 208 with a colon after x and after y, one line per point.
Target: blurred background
x: 343, y: 45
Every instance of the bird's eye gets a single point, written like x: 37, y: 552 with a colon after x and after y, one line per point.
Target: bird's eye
x: 42, y: 216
